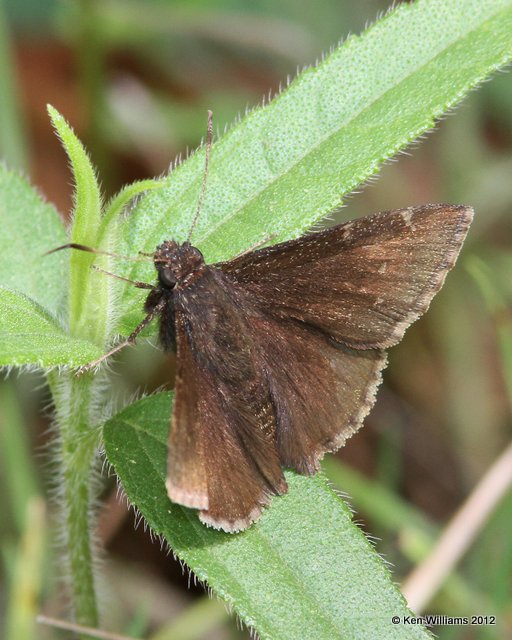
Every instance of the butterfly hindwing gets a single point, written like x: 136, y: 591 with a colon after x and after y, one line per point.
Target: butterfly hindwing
x: 321, y: 390
x: 252, y: 395
x: 223, y: 399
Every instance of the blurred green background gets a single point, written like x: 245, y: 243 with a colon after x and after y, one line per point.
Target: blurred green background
x: 135, y: 79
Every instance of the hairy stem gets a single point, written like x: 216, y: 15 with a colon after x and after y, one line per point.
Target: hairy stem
x: 74, y: 399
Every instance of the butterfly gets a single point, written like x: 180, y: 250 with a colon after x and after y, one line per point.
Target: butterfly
x: 280, y: 350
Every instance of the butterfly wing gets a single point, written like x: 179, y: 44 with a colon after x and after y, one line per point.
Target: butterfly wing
x: 363, y: 282
x: 222, y: 454
x: 254, y: 393
x: 321, y: 390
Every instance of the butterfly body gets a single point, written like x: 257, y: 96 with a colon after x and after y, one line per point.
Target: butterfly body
x: 280, y: 350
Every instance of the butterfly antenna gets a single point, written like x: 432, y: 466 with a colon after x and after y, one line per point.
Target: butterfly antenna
x: 209, y: 138
x: 83, y: 247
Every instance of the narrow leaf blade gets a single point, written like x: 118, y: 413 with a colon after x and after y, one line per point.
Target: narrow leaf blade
x: 87, y: 213
x: 84, y: 319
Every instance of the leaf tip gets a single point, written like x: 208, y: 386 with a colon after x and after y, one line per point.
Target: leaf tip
x: 62, y: 127
x: 54, y: 114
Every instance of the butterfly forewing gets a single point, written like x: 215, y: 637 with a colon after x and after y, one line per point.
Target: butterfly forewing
x: 363, y: 282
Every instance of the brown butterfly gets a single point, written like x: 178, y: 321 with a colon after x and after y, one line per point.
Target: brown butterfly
x: 280, y: 350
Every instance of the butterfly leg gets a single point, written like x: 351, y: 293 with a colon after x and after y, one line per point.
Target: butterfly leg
x: 136, y: 283
x: 129, y: 340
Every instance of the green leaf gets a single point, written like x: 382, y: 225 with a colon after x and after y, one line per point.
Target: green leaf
x: 86, y: 320
x: 28, y: 335
x: 30, y: 227
x: 87, y: 212
x: 122, y: 200
x: 287, y: 165
x: 302, y: 571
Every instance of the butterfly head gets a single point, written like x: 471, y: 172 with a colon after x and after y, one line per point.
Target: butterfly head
x: 176, y: 262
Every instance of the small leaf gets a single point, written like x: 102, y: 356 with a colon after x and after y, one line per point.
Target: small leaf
x: 30, y: 227
x: 87, y: 212
x: 304, y: 570
x: 84, y: 319
x: 28, y: 335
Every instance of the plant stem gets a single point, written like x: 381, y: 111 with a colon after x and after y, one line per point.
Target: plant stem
x: 78, y: 444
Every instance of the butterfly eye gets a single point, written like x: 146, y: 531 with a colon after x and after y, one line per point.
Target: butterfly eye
x: 167, y: 278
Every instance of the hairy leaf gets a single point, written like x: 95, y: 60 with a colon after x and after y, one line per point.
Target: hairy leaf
x: 87, y: 320
x: 302, y: 571
x: 30, y: 227
x: 286, y: 165
x: 29, y: 335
